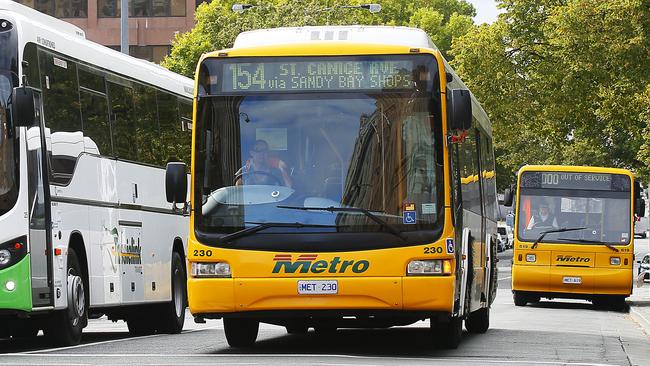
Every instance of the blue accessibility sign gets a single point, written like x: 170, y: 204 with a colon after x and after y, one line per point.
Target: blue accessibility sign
x: 409, y: 217
x: 450, y: 246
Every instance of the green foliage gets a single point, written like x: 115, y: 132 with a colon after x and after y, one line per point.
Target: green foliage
x: 217, y: 25
x: 564, y: 82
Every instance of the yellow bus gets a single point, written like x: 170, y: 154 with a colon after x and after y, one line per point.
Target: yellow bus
x: 574, y: 235
x: 342, y: 177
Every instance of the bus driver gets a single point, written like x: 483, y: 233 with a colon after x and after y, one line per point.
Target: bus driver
x: 543, y: 220
x: 261, y: 169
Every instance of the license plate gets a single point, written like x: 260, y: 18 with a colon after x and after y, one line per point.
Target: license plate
x: 572, y: 280
x: 318, y: 287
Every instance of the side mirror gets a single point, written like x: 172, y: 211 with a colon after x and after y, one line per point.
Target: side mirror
x: 508, y: 196
x: 22, y: 107
x: 459, y: 110
x: 639, y: 203
x: 176, y: 182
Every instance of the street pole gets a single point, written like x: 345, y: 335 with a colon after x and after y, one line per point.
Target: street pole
x: 124, y: 26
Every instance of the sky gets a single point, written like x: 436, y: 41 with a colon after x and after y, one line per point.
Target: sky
x: 486, y: 11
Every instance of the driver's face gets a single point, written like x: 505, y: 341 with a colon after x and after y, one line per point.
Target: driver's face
x: 543, y: 211
x: 259, y: 155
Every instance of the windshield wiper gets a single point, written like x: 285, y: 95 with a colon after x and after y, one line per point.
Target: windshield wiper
x: 391, y: 228
x: 591, y: 242
x: 265, y: 225
x: 543, y: 233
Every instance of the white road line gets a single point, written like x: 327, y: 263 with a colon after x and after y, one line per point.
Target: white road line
x: 504, y: 278
x: 103, y: 342
x: 329, y: 356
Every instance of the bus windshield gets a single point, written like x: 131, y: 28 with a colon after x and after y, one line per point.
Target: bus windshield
x: 8, y: 187
x: 595, y: 206
x: 284, y: 157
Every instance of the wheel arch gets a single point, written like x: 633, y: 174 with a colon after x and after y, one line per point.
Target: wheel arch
x: 77, y: 244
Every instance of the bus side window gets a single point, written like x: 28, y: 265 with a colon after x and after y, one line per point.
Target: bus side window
x: 122, y: 121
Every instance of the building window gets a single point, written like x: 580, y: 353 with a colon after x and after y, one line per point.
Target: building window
x: 59, y: 8
x: 142, y: 8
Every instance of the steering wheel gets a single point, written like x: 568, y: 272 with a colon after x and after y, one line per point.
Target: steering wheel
x: 243, y: 174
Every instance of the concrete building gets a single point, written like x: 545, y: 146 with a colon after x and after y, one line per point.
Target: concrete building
x: 152, y: 23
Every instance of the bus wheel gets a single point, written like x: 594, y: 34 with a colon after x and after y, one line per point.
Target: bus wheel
x: 448, y: 334
x: 240, y: 332
x: 173, y: 313
x: 519, y: 298
x: 141, y: 324
x: 66, y: 325
x: 478, y: 321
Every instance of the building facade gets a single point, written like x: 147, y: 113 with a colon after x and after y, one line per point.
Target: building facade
x: 152, y: 23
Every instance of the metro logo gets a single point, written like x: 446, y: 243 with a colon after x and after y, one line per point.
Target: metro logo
x: 307, y: 263
x: 572, y: 259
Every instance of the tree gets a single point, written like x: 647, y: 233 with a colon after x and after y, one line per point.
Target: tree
x: 564, y: 82
x: 217, y: 25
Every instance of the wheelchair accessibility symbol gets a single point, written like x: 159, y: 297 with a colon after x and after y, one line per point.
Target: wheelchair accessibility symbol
x: 409, y: 217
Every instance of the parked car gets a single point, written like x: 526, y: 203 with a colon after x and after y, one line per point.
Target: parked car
x: 506, y: 232
x: 644, y: 268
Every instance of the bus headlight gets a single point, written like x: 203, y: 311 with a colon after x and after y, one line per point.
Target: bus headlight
x: 5, y: 257
x: 615, y: 261
x: 218, y: 269
x: 429, y: 267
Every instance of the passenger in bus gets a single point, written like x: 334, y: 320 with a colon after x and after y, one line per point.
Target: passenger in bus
x: 262, y: 169
x: 544, y: 219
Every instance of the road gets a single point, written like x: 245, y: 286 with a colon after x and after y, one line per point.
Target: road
x: 550, y: 333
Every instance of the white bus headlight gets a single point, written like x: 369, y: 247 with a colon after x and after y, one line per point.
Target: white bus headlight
x: 218, y: 269
x: 615, y: 261
x: 429, y: 267
x: 5, y: 257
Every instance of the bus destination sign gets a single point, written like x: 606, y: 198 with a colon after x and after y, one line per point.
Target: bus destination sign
x: 321, y: 75
x: 570, y: 180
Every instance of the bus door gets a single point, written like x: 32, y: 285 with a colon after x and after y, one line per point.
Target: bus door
x: 40, y: 243
x: 485, y: 240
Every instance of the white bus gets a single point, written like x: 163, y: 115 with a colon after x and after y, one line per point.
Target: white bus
x: 85, y: 228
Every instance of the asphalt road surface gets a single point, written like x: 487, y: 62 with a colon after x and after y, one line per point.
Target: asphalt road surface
x: 559, y: 332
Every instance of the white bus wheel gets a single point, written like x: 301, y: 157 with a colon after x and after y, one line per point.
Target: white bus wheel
x: 172, y: 314
x: 478, y: 321
x: 66, y: 326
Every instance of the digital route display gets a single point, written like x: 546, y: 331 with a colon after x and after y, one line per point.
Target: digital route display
x: 321, y: 75
x: 575, y: 181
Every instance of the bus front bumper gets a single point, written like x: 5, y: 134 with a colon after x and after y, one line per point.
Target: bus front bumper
x: 572, y: 280
x: 15, y: 286
x: 237, y: 295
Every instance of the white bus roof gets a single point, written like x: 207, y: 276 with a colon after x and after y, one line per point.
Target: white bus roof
x: 69, y: 40
x: 400, y: 36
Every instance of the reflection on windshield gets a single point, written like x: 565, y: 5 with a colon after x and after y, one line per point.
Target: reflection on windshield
x: 7, y: 164
x: 339, y: 150
x: 605, y: 216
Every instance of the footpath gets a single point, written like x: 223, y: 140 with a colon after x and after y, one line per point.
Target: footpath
x: 639, y: 302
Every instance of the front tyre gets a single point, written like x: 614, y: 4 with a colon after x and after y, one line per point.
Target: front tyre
x: 478, y: 321
x: 519, y: 298
x: 66, y: 325
x: 448, y: 334
x: 240, y: 332
x: 172, y: 315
